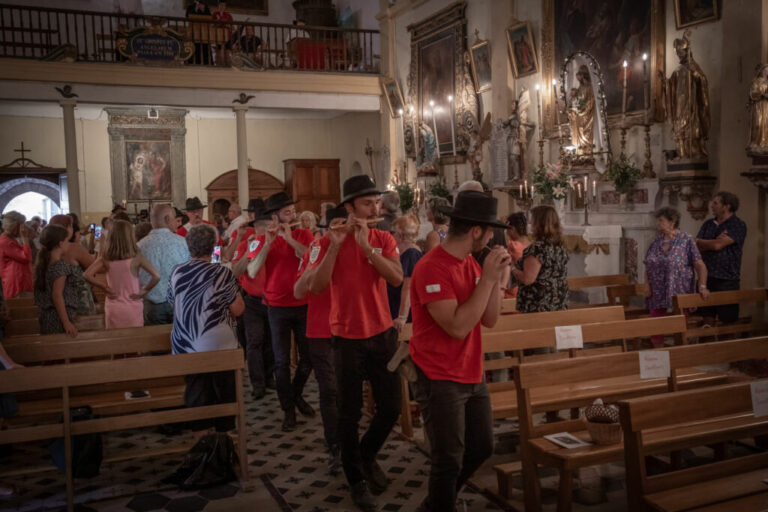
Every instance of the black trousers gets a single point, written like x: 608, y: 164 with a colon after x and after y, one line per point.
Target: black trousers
x: 727, y: 313
x: 357, y: 360
x: 459, y: 426
x: 321, y: 355
x: 210, y: 389
x: 282, y: 322
x: 257, y: 341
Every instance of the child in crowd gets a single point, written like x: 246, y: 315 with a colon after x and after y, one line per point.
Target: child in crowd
x: 56, y: 293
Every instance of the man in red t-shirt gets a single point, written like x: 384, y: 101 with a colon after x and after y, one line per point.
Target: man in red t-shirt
x: 280, y: 251
x: 319, y: 338
x: 450, y: 299
x: 357, y: 265
x: 194, y: 208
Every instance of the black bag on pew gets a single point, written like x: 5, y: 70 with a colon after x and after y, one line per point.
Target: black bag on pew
x: 87, y: 449
x: 208, y: 463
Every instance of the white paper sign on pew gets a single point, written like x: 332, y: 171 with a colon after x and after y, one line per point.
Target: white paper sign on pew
x: 760, y: 398
x: 568, y: 336
x: 654, y: 364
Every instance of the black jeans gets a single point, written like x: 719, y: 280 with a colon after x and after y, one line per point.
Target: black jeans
x: 459, y: 426
x: 157, y: 314
x: 357, y: 360
x: 283, y: 321
x: 321, y: 355
x: 257, y: 341
x: 727, y: 313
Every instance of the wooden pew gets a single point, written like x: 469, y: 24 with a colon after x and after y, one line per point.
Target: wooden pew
x: 744, y: 326
x: 658, y: 424
x: 577, y: 382
x: 65, y: 377
x: 508, y: 306
x: 623, y: 294
x: 579, y: 283
x: 27, y: 326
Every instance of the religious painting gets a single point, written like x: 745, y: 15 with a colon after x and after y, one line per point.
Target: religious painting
x: 481, y: 66
x: 436, y: 82
x: 693, y: 12
x: 393, y: 95
x: 255, y: 7
x: 611, y: 32
x: 149, y: 170
x: 522, y: 51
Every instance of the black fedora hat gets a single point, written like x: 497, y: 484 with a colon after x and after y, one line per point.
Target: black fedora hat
x: 333, y: 213
x: 255, y: 205
x: 475, y: 207
x: 359, y: 186
x: 193, y: 203
x: 277, y: 201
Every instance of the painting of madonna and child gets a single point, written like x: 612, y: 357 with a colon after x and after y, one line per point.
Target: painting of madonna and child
x: 149, y: 170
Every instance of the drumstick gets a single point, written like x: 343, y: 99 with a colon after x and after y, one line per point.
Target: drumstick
x: 374, y: 220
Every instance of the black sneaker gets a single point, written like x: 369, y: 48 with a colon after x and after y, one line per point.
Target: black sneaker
x: 289, y: 422
x: 334, y: 460
x: 304, y: 408
x: 377, y: 480
x: 363, y: 498
x: 258, y: 393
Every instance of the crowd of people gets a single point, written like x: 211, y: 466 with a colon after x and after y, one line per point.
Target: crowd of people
x: 341, y: 285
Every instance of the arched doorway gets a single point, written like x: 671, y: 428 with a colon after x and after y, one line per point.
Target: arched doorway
x: 16, y: 187
x: 260, y: 184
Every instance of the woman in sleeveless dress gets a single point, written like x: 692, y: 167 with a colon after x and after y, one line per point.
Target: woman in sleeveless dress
x: 122, y: 259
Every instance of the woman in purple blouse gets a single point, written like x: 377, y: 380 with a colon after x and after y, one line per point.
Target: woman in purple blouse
x: 670, y: 264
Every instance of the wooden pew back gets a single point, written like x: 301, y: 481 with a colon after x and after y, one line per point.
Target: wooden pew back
x: 743, y: 326
x: 579, y: 283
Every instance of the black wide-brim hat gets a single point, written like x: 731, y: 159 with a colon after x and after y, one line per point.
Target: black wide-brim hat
x: 277, y: 202
x: 334, y: 213
x: 255, y: 205
x: 475, y: 207
x: 193, y: 203
x: 359, y: 186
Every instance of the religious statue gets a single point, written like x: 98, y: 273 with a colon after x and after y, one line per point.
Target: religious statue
x: 758, y: 106
x: 687, y: 103
x: 427, y: 158
x: 581, y: 113
x: 509, y: 138
x: 475, y: 151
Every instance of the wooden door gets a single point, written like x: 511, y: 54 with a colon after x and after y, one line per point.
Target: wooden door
x: 312, y: 182
x: 260, y: 184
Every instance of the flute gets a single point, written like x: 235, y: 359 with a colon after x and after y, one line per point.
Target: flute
x: 374, y: 220
x: 291, y: 225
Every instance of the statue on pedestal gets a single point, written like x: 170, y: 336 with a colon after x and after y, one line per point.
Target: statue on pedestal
x: 758, y: 106
x: 427, y: 159
x: 687, y: 103
x: 581, y: 113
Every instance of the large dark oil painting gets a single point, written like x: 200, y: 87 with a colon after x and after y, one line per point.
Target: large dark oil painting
x: 149, y: 170
x: 437, y: 81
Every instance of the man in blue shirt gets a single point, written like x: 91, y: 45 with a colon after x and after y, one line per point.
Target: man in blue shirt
x: 164, y: 250
x: 721, y: 241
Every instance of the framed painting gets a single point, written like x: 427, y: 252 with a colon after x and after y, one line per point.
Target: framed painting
x: 522, y: 52
x: 480, y: 55
x: 254, y: 7
x: 611, y: 32
x: 394, y: 96
x: 693, y: 12
x: 149, y: 170
x: 440, y: 83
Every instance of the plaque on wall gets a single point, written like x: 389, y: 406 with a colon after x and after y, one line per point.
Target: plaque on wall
x: 155, y: 45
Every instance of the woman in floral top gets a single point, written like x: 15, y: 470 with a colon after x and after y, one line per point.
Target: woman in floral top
x: 670, y: 264
x: 542, y: 271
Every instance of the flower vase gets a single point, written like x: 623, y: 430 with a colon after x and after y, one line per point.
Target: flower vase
x: 560, y: 208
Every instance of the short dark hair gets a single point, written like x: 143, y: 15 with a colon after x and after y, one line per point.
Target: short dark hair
x: 670, y: 214
x: 460, y: 227
x: 729, y: 199
x: 519, y: 222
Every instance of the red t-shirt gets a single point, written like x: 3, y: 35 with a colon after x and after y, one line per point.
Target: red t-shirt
x: 441, y: 276
x: 318, y: 306
x: 359, y: 303
x: 183, y: 230
x: 252, y: 286
x: 281, y: 268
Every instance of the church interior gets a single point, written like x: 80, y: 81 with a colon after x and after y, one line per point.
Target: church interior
x: 639, y: 126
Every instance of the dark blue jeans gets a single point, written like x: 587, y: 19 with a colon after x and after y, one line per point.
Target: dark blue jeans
x: 157, y: 314
x: 459, y: 426
x: 357, y: 360
x: 257, y: 341
x: 283, y: 321
x: 321, y: 355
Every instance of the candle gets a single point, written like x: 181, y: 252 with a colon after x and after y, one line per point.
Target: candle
x: 413, y: 130
x: 624, y: 96
x: 531, y: 191
x: 538, y: 105
x: 645, y: 87
x: 451, y: 118
x: 521, y: 191
x: 557, y: 110
x: 525, y: 182
x: 586, y: 185
x: 578, y: 190
x: 434, y: 126
x: 594, y: 189
x: 402, y: 122
x: 123, y: 203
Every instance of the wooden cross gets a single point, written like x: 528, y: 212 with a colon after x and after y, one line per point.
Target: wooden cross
x: 22, y: 150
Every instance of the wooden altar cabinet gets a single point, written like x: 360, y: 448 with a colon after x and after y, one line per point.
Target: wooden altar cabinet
x: 311, y: 182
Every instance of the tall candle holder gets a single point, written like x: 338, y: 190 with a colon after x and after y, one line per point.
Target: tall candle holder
x: 541, y: 151
x: 623, y: 139
x: 588, y: 199
x: 524, y: 198
x: 648, y: 165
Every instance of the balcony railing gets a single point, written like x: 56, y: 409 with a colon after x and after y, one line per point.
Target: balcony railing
x: 88, y: 36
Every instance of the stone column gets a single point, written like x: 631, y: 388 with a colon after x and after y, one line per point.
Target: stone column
x: 242, y: 156
x: 70, y: 150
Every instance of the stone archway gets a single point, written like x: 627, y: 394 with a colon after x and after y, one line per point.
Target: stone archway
x: 16, y: 187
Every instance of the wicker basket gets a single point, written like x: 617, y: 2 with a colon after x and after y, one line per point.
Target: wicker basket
x: 604, y: 433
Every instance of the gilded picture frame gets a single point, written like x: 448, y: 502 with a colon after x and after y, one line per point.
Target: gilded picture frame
x: 393, y: 95
x: 651, y: 34
x: 522, y: 50
x: 706, y: 11
x: 480, y: 55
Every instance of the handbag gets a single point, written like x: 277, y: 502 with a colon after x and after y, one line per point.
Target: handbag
x: 208, y: 463
x: 87, y: 449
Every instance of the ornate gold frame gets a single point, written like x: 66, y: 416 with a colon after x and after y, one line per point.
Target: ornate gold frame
x: 550, y: 71
x: 715, y: 17
x: 511, y: 51
x: 385, y: 81
x: 480, y: 44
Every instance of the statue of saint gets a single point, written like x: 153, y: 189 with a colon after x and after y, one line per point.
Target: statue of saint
x: 758, y: 106
x: 427, y: 157
x: 687, y: 102
x: 581, y: 113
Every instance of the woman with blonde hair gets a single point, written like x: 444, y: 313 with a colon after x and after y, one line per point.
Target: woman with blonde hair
x: 122, y: 259
x: 15, y: 257
x: 542, y: 272
x: 405, y: 229
x: 438, y: 220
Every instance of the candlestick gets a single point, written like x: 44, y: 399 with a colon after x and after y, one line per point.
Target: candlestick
x: 451, y: 117
x: 648, y: 166
x: 645, y: 88
x: 434, y: 126
x: 624, y: 96
x: 538, y: 105
x: 594, y: 189
x: 586, y: 185
x: 402, y: 124
x: 412, y: 111
x: 557, y: 111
